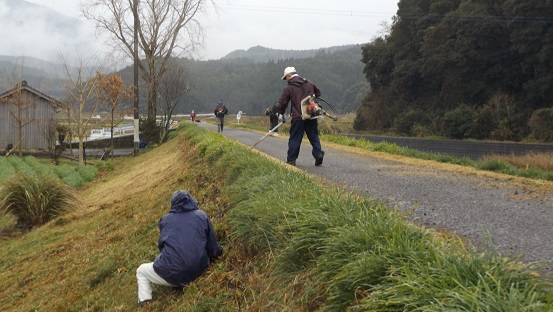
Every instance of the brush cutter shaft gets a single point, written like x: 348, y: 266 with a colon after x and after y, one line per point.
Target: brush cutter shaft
x: 268, y: 133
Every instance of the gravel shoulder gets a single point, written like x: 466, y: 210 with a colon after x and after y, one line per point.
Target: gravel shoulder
x: 515, y: 214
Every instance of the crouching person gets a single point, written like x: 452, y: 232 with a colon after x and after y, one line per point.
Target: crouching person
x: 187, y: 244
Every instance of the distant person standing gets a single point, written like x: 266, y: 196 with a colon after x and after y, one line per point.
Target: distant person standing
x: 220, y: 112
x: 297, y: 90
x: 273, y: 120
x: 238, y: 116
x: 193, y: 116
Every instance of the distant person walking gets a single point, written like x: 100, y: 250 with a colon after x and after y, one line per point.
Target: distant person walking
x: 220, y: 112
x: 187, y: 245
x: 297, y: 90
x: 193, y: 116
x: 238, y: 116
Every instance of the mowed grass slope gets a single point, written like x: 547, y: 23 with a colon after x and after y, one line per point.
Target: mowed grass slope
x: 289, y: 243
x: 86, y: 260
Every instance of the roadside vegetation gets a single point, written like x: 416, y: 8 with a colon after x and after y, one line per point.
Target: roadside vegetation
x: 290, y: 244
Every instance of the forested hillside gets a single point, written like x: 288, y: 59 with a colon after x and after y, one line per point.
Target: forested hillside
x: 245, y: 80
x: 463, y: 69
x: 248, y: 85
x: 262, y: 54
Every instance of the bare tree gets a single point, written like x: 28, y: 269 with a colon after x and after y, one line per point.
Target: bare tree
x: 67, y: 108
x: 173, y: 86
x: 112, y: 94
x: 81, y: 88
x: 165, y: 28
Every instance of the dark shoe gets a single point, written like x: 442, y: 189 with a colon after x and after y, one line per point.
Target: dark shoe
x: 319, y: 160
x: 145, y: 303
x: 291, y: 162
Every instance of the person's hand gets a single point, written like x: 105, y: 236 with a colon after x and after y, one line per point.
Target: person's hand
x: 281, y: 118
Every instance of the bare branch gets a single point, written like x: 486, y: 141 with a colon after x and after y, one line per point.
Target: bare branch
x: 165, y: 28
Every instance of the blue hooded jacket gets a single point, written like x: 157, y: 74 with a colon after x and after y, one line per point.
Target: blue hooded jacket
x: 187, y: 241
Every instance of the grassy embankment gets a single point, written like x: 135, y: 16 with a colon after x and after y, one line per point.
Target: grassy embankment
x: 290, y: 245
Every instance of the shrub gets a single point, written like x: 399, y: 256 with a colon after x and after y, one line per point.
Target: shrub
x: 406, y: 121
x: 541, y: 124
x: 484, y: 123
x: 458, y: 123
x: 69, y: 175
x: 372, y: 115
x: 105, y: 165
x: 36, y: 198
x: 87, y: 172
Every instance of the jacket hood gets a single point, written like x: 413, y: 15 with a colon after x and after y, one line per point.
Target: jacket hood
x: 181, y: 201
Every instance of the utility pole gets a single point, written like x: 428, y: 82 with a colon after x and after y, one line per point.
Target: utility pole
x: 135, y: 57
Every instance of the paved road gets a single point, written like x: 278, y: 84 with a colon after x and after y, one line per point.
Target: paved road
x: 517, y: 216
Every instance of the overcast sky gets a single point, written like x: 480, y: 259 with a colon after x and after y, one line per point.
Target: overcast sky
x: 239, y: 24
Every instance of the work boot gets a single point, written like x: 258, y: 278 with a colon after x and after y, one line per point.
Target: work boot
x: 319, y: 160
x: 291, y: 162
x: 145, y: 303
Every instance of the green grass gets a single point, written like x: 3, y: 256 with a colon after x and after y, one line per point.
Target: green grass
x: 70, y: 173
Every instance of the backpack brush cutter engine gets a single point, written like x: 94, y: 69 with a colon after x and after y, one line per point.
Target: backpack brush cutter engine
x: 310, y: 109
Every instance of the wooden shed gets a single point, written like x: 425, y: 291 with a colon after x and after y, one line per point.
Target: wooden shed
x: 28, y: 117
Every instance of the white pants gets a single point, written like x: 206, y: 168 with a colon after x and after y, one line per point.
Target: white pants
x: 145, y: 275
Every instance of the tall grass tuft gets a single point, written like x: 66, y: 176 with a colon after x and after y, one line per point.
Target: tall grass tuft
x: 36, y: 198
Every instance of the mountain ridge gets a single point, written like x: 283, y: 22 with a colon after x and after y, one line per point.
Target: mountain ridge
x: 263, y: 54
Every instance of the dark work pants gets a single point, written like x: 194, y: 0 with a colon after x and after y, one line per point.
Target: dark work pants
x: 220, y: 123
x: 274, y: 122
x: 297, y: 129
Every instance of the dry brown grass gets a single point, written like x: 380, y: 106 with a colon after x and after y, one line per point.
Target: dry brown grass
x: 543, y: 161
x: 86, y: 259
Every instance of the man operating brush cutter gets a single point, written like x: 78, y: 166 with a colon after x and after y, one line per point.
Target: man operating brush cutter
x: 304, y: 112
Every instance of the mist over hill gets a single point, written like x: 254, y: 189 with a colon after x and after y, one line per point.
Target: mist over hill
x: 37, y: 31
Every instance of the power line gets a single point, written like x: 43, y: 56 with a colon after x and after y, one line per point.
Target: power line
x: 276, y: 9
